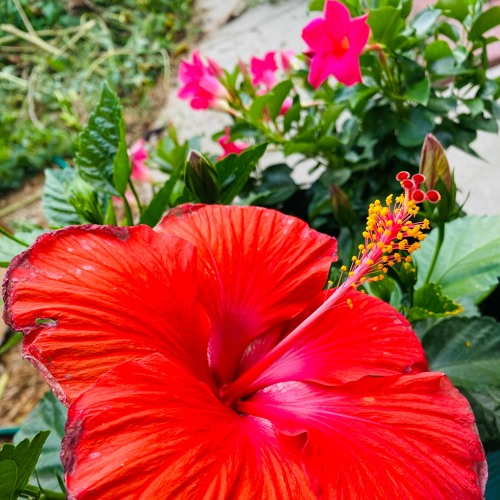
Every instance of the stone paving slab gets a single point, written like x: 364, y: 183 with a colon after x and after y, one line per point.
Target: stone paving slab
x: 278, y: 26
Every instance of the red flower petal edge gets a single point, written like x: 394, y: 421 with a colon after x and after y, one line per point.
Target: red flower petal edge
x: 204, y: 358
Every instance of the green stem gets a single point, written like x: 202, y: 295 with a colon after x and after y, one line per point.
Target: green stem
x: 128, y: 211
x: 436, y: 252
x: 43, y: 494
x: 136, y: 196
x: 12, y: 237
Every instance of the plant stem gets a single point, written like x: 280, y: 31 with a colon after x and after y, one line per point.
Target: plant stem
x: 43, y: 494
x: 128, y: 211
x: 436, y: 252
x: 136, y: 196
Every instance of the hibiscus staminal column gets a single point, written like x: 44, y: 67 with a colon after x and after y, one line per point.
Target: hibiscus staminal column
x: 390, y: 233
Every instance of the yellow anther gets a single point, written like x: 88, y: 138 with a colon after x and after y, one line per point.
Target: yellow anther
x: 349, y: 303
x: 350, y: 273
x: 408, y: 258
x: 357, y: 263
x: 388, y: 200
x: 343, y: 268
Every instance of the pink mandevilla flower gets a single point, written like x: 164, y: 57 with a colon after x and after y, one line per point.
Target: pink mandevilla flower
x: 200, y: 83
x: 138, y: 156
x: 335, y: 42
x: 229, y: 146
x: 205, y: 359
x: 264, y: 70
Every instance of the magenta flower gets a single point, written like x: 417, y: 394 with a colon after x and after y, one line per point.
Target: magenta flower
x: 264, y: 71
x: 201, y: 84
x: 336, y: 41
x: 229, y: 146
x: 138, y: 156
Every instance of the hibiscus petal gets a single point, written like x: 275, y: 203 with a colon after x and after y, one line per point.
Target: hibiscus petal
x: 89, y: 297
x: 391, y: 437
x: 315, y: 36
x: 147, y: 429
x: 358, y: 337
x: 257, y: 269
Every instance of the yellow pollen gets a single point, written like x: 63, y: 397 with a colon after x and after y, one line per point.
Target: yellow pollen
x: 349, y: 303
x: 343, y: 268
x: 468, y: 344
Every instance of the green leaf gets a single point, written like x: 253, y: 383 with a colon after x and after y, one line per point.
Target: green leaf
x: 162, y: 199
x: 25, y: 456
x: 99, y: 144
x: 436, y: 50
x: 55, y: 201
x: 456, y: 9
x: 275, y: 187
x: 85, y: 200
x: 425, y: 21
x: 493, y: 485
x: 385, y: 24
x: 467, y: 350
x: 13, y: 340
x: 388, y: 290
x: 486, y: 21
x: 468, y: 265
x: 8, y: 479
x: 429, y: 302
x: 316, y: 5
x: 419, y: 91
x: 414, y: 127
x: 278, y: 95
x: 234, y: 171
x: 10, y: 248
x: 48, y: 414
x: 121, y: 163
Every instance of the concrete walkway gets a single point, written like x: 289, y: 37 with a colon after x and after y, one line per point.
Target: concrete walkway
x: 274, y: 27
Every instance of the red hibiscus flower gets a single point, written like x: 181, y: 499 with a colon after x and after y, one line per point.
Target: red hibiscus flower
x: 205, y: 359
x: 335, y: 42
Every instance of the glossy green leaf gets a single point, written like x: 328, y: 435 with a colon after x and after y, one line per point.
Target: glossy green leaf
x: 8, y: 479
x: 234, y: 171
x: 278, y: 95
x: 456, y: 9
x: 419, y: 91
x: 121, y: 163
x: 385, y: 24
x: 162, y: 199
x: 467, y: 350
x: 55, y: 201
x: 100, y: 143
x: 414, y: 127
x: 436, y: 50
x: 25, y: 456
x: 48, y: 414
x: 486, y: 21
x: 425, y: 21
x: 388, y: 290
x: 469, y: 261
x: 429, y: 302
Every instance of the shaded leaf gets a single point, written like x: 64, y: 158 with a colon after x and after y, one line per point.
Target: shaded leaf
x: 469, y: 261
x: 48, y: 414
x: 429, y: 302
x: 24, y: 455
x: 385, y: 24
x: 419, y: 91
x: 467, y: 351
x: 100, y: 143
x: 8, y: 479
x: 486, y: 21
x: 234, y: 171
x: 456, y: 9
x: 55, y: 201
x: 414, y: 127
x: 493, y: 485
